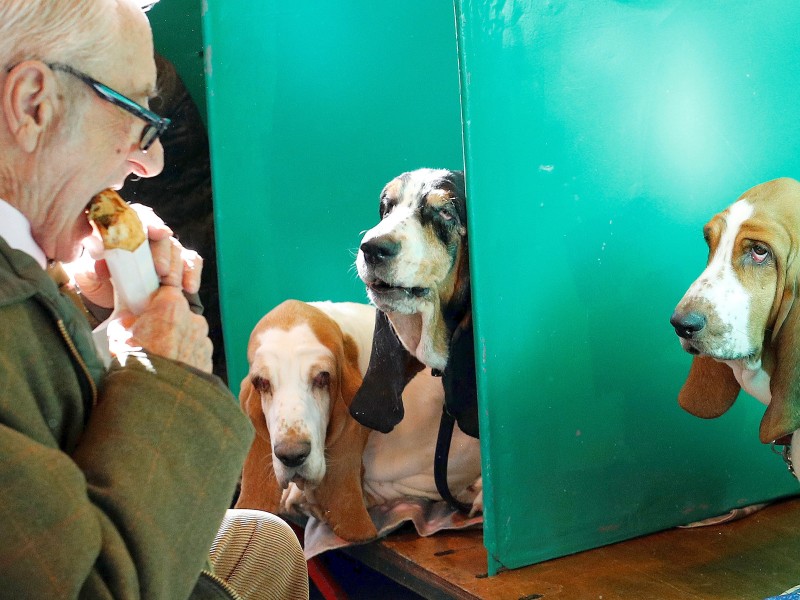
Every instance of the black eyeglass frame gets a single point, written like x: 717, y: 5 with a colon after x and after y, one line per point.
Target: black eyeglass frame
x: 156, y: 125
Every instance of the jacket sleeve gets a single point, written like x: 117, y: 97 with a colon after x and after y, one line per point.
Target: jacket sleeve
x: 133, y: 511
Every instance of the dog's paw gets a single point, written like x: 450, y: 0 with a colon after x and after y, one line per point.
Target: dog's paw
x: 300, y: 502
x: 293, y: 500
x: 477, y: 503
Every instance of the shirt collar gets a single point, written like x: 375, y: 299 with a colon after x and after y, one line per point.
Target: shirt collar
x: 15, y: 229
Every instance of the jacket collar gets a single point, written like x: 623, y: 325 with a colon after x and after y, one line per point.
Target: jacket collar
x: 15, y: 229
x: 21, y: 276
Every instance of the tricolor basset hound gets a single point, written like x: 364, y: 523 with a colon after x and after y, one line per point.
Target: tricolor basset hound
x: 741, y: 317
x: 306, y: 362
x: 415, y: 264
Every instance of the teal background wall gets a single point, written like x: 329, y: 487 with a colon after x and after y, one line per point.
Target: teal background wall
x: 313, y: 107
x: 600, y: 137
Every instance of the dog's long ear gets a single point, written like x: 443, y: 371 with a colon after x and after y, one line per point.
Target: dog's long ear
x: 783, y: 413
x: 260, y: 489
x: 459, y: 380
x: 379, y: 401
x: 710, y: 389
x: 460, y: 385
x: 340, y: 494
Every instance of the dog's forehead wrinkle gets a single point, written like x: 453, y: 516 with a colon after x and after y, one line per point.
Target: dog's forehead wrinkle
x: 720, y: 268
x: 392, y: 222
x: 288, y: 356
x: 300, y: 338
x: 290, y: 411
x: 416, y: 190
x: 737, y: 214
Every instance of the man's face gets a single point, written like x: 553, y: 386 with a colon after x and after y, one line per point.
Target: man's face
x: 99, y: 148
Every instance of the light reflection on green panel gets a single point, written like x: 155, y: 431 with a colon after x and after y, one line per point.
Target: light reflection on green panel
x: 600, y: 137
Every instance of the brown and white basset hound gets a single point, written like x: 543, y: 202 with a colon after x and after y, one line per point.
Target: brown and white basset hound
x: 304, y: 371
x: 741, y: 317
x: 310, y: 456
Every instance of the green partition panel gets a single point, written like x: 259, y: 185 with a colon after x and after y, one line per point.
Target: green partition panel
x: 313, y: 107
x: 599, y: 138
x: 178, y: 36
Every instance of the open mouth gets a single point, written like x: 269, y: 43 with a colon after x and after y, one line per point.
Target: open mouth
x: 296, y: 477
x: 749, y: 356
x: 380, y: 287
x: 688, y: 346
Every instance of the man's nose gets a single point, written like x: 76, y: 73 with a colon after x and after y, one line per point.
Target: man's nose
x: 150, y: 163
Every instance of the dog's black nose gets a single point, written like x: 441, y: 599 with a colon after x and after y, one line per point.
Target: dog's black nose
x: 687, y: 324
x: 292, y: 454
x: 378, y: 249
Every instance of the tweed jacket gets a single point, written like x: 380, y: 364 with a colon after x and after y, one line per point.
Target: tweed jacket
x: 112, y: 483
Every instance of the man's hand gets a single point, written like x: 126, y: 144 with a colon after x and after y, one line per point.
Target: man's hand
x: 175, y: 265
x: 166, y: 328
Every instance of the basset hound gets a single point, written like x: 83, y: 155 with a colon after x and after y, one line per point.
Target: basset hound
x: 310, y: 456
x: 415, y: 264
x: 305, y: 369
x: 741, y: 317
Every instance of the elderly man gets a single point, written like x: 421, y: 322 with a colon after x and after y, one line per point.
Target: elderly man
x: 113, y: 483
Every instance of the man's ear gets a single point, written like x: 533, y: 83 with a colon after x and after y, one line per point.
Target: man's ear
x: 29, y: 94
x: 379, y: 401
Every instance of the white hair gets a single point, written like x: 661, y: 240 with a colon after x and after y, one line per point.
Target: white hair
x: 76, y: 32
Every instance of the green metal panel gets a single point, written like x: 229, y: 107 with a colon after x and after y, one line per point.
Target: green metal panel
x: 313, y: 107
x: 600, y: 136
x: 178, y: 36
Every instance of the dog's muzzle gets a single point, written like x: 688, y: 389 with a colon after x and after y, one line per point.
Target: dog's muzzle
x: 292, y: 454
x: 688, y: 325
x: 380, y: 250
x: 381, y: 288
x: 378, y: 254
x: 292, y: 462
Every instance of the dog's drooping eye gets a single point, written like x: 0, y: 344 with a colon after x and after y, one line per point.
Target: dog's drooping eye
x: 386, y: 206
x: 322, y: 379
x: 759, y: 253
x: 446, y: 212
x: 261, y: 384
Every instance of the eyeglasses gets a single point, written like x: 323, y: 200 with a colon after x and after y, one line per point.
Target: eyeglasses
x: 156, y: 125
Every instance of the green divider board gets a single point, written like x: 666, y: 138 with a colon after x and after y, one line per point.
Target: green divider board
x: 178, y: 36
x: 599, y: 138
x: 313, y: 107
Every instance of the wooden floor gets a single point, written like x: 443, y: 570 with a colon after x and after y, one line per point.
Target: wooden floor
x: 749, y: 559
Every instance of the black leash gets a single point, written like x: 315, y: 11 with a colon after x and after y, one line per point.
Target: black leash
x: 446, y: 426
x: 786, y: 451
